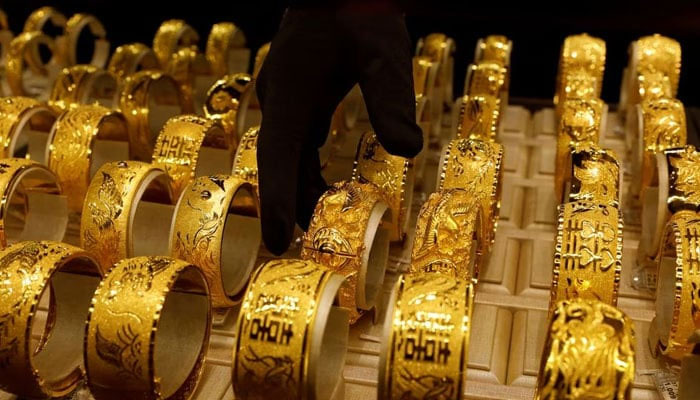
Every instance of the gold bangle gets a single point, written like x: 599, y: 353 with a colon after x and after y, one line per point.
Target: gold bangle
x: 171, y: 36
x: 425, y: 346
x: 588, y: 253
x: 424, y: 75
x: 180, y: 143
x: 186, y: 66
x: 658, y: 53
x: 486, y: 79
x: 588, y: 353
x: 3, y: 21
x: 31, y: 205
x: 495, y: 48
x: 25, y: 48
x: 591, y: 173
x: 245, y: 162
x: 651, y: 86
x: 18, y: 115
x: 346, y: 236
x: 53, y: 367
x: 440, y: 49
x: 82, y: 84
x: 74, y: 28
x: 393, y: 175
x: 479, y: 117
x: 141, y: 93
x: 475, y: 166
x: 291, y: 339
x: 111, y: 204
x: 39, y: 17
x: 260, y: 56
x: 577, y: 84
x: 147, y: 331
x: 216, y: 227
x: 227, y: 102
x: 131, y: 58
x: 223, y: 38
x: 448, y: 224
x: 585, y: 53
x: 581, y: 121
x: 73, y: 153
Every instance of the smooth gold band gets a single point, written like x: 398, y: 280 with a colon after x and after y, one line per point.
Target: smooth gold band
x: 112, y: 205
x: 83, y: 84
x: 131, y: 58
x: 73, y: 153
x: 223, y: 39
x: 479, y: 117
x: 227, y: 102
x: 588, y: 353
x: 291, y: 340
x: 19, y: 116
x: 74, y: 27
x: 171, y: 36
x: 591, y: 173
x: 147, y: 331
x: 28, y: 270
x: 425, y: 344
x: 346, y: 236
x: 25, y: 48
x: 245, y: 162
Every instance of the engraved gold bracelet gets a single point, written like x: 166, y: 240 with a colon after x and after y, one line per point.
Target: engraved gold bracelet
x: 227, y: 102
x: 74, y: 27
x: 18, y: 117
x: 171, y: 36
x: 581, y: 121
x: 581, y: 53
x: 131, y: 58
x: 478, y: 117
x: 591, y: 173
x: 223, y: 38
x: 83, y: 84
x: 245, y: 162
x: 25, y: 48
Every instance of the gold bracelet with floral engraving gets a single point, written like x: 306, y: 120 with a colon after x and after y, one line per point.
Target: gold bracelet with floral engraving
x: 591, y: 173
x: 588, y: 253
x: 245, y: 162
x: 19, y: 117
x: 171, y: 36
x: 347, y: 236
x: 479, y: 117
x: 425, y: 347
x: 393, y: 175
x: 223, y: 39
x: 147, y: 331
x: 74, y: 28
x: 25, y: 48
x: 581, y: 53
x: 291, y: 338
x: 131, y: 58
x: 112, y: 204
x: 588, y: 353
x: 83, y: 84
x: 578, y: 85
x: 227, y: 102
x: 658, y: 53
x: 581, y: 121
x: 494, y: 48
x: 29, y: 271
x: 74, y: 153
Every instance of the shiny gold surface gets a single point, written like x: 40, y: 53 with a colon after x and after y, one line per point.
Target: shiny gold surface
x: 171, y: 36
x: 260, y: 58
x: 683, y: 179
x: 591, y: 173
x: 245, y: 162
x: 496, y: 48
x: 580, y: 122
x: 131, y: 58
x: 74, y: 85
x: 39, y: 17
x: 25, y: 49
x: 661, y: 54
x: 581, y: 53
x: 13, y: 112
x: 223, y: 37
x: 226, y: 103
x: 478, y: 117
x: 74, y: 28
x: 185, y: 65
x: 487, y: 79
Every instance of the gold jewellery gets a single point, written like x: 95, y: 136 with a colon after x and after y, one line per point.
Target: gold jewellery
x: 291, y: 339
x: 425, y: 346
x: 131, y: 58
x: 53, y: 367
x: 74, y: 153
x: 478, y: 117
x: 227, y: 102
x: 74, y: 27
x: 260, y: 58
x: 171, y: 36
x: 588, y: 353
x: 486, y: 79
x: 187, y: 66
x: 147, y: 330
x: 245, y: 162
x: 18, y: 116
x: 346, y: 236
x: 580, y: 54
x: 224, y: 39
x: 216, y: 227
x: 494, y: 48
x: 581, y: 121
x: 82, y: 84
x: 39, y: 17
x: 25, y: 49
x: 660, y: 54
x: 591, y: 173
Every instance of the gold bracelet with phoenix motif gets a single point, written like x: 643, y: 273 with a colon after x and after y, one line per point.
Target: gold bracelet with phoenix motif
x: 216, y: 227
x: 245, y: 162
x: 588, y: 353
x: 83, y: 84
x: 114, y: 203
x: 131, y: 58
x: 582, y: 53
x: 148, y: 99
x: 393, y: 175
x: 227, y: 102
x: 591, y: 173
x: 426, y: 338
x: 588, y: 253
x: 494, y: 48
x: 25, y: 48
x: 20, y: 117
x: 347, y: 236
x: 449, y: 223
x: 53, y: 367
x: 74, y: 152
x: 291, y: 339
x: 479, y: 117
x: 74, y: 28
x: 225, y: 38
x: 171, y: 36
x: 581, y: 121
x: 147, y: 331
x: 181, y: 142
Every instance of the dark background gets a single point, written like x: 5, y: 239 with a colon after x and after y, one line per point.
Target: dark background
x: 537, y: 30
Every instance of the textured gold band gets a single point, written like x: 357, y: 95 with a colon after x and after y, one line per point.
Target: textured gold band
x: 494, y: 48
x: 227, y: 102
x: 18, y: 114
x: 25, y: 48
x: 580, y: 121
x: 171, y: 36
x: 39, y: 17
x: 661, y: 54
x: 479, y: 117
x: 245, y: 162
x: 82, y: 84
x: 130, y: 58
x: 186, y: 65
x: 590, y: 174
x: 580, y: 54
x: 486, y: 79
x: 222, y: 38
x: 74, y: 28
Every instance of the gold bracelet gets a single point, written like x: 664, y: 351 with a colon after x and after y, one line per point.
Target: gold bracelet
x: 678, y: 285
x: 393, y: 175
x: 291, y: 339
x: 486, y: 79
x: 658, y: 53
x: 180, y: 143
x: 591, y: 173
x: 130, y: 58
x: 74, y: 28
x: 171, y: 36
x: 475, y: 166
x: 3, y: 21
x: 223, y: 37
x: 588, y: 253
x: 581, y: 53
x: 31, y: 205
x: 495, y: 48
x: 111, y: 205
x: 578, y: 85
x: 448, y: 224
x: 227, y: 102
x: 39, y: 17
x: 82, y: 84
x: 216, y: 227
x: 440, y: 49
x: 140, y: 94
x: 588, y: 353
x: 73, y: 153
x: 54, y: 366
x: 25, y: 48
x: 479, y: 117
x: 147, y: 331
x: 346, y: 236
x: 17, y: 116
x: 260, y: 58
x: 245, y: 162
x: 424, y: 75
x: 651, y: 86
x: 425, y: 347
x: 581, y: 121
x: 187, y: 66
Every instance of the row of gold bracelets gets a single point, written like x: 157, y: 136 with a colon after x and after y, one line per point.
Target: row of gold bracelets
x: 589, y: 348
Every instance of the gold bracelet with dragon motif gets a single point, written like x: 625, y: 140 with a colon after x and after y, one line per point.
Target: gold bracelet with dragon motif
x: 224, y: 39
x: 347, y: 236
x: 591, y: 173
x: 147, y: 331
x: 479, y: 117
x: 425, y: 344
x: 65, y: 275
x: 291, y: 339
x: 581, y: 121
x: 74, y: 28
x: 171, y: 36
x: 25, y: 49
x: 227, y: 102
x: 25, y: 123
x: 83, y: 84
x: 131, y: 58
x: 580, y: 54
x: 588, y: 353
